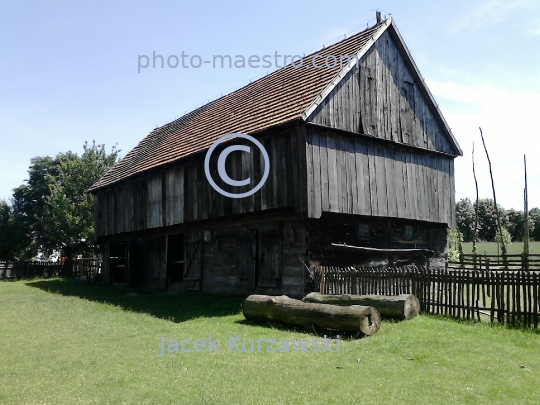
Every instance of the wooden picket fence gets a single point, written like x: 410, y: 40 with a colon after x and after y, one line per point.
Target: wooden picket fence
x: 86, y: 267
x: 17, y: 270
x: 27, y: 269
x: 509, y: 296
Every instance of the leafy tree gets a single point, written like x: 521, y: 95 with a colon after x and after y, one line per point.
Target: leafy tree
x: 516, y: 224
x: 505, y: 239
x: 29, y: 205
x: 12, y: 238
x: 6, y: 226
x: 68, y: 214
x: 454, y: 244
x: 52, y: 210
x: 534, y: 218
x: 465, y: 219
x: 487, y: 219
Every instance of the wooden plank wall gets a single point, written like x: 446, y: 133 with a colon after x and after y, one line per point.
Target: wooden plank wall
x: 181, y: 193
x: 226, y: 266
x: 381, y: 98
x: 353, y: 175
x: 156, y: 266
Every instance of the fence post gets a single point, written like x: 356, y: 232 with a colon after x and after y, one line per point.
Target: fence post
x: 505, y: 260
x: 321, y: 284
x: 525, y: 261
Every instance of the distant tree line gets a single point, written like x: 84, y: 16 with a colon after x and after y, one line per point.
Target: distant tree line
x: 52, y: 211
x: 512, y: 221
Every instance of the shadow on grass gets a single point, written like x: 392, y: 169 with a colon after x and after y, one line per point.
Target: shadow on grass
x: 172, y: 307
x: 310, y: 329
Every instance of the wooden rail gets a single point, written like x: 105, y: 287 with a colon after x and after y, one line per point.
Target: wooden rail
x: 484, y: 261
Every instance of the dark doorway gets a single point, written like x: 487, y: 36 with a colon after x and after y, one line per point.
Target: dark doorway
x: 138, y: 261
x: 118, y: 262
x: 247, y: 258
x: 175, y: 260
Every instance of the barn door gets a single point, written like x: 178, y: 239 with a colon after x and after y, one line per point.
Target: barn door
x: 193, y: 261
x: 247, y: 258
x: 270, y: 258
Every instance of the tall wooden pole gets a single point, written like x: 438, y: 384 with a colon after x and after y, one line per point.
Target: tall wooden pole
x: 526, y: 212
x: 503, y: 245
x: 476, y: 207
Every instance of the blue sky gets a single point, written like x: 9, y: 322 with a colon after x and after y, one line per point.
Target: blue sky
x: 68, y: 72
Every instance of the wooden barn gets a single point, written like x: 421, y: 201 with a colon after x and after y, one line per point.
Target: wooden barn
x: 361, y: 170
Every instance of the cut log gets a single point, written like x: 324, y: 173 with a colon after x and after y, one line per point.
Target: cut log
x: 354, y: 318
x: 405, y: 306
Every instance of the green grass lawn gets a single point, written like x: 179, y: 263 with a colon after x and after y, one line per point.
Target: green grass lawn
x: 490, y: 248
x: 63, y: 342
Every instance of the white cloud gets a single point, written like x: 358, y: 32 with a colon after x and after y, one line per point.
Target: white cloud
x: 509, y: 123
x: 485, y: 14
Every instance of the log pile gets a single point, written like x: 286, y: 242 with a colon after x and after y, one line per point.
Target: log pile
x: 353, y: 318
x: 405, y: 306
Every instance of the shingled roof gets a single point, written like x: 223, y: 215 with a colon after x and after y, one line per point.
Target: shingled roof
x: 277, y: 98
x: 282, y: 96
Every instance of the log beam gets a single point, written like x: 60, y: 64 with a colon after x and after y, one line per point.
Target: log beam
x: 404, y: 306
x: 354, y: 318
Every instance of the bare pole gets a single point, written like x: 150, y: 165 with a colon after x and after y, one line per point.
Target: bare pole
x: 503, y: 245
x: 476, y: 205
x: 526, y: 211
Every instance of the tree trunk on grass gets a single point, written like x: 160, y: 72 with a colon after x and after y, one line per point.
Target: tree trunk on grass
x: 405, y: 306
x: 354, y: 318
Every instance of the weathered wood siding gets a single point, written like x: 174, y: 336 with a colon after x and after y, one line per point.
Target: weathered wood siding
x: 262, y: 257
x: 180, y: 193
x: 354, y: 175
x: 382, y: 98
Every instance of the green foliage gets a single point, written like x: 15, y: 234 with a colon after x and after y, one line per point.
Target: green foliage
x: 52, y: 209
x: 516, y: 224
x: 6, y: 229
x: 534, y: 218
x: 68, y: 219
x: 487, y: 219
x: 505, y: 239
x: 511, y: 219
x: 12, y: 236
x: 29, y: 205
x: 465, y: 219
x: 453, y: 246
x: 487, y: 216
